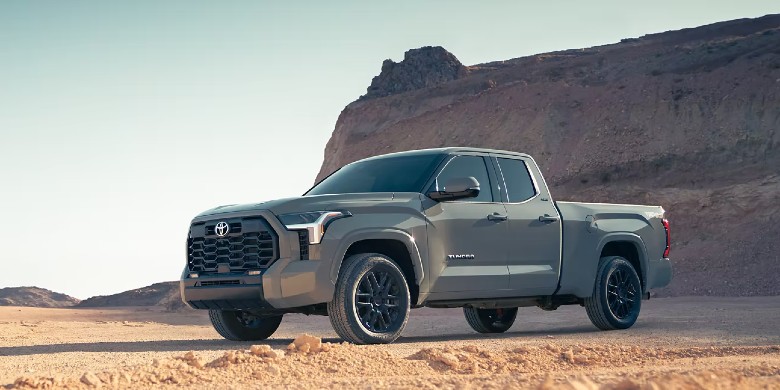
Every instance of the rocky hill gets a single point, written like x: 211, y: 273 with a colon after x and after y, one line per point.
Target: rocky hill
x: 35, y: 297
x: 164, y: 294
x: 686, y: 119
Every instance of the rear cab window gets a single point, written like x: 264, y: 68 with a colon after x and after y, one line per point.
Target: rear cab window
x: 517, y: 180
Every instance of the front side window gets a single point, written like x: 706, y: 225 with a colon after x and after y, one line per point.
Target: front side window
x: 466, y: 166
x: 519, y: 186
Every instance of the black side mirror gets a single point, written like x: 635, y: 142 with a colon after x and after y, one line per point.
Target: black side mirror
x: 457, y: 188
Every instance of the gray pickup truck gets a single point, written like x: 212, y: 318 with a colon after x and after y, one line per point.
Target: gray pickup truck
x: 449, y: 227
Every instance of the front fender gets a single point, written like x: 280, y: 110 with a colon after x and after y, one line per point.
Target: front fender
x: 338, y: 248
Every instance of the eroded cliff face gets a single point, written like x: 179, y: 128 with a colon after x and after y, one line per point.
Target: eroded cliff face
x: 686, y: 119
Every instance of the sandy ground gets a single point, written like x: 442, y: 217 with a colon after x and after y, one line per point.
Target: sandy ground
x: 677, y: 343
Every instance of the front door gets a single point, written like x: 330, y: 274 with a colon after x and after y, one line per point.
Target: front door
x: 466, y: 252
x: 534, y: 234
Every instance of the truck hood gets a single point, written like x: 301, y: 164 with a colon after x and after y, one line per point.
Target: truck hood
x: 314, y: 203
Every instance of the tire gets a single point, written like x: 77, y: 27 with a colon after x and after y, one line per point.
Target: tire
x: 490, y: 320
x: 371, y: 302
x: 617, y: 295
x: 243, y: 326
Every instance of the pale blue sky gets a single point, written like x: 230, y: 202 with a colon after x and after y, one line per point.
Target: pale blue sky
x: 119, y: 121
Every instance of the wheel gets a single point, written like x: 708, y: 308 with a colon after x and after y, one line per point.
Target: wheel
x: 617, y: 295
x: 243, y: 326
x: 490, y: 320
x: 371, y: 303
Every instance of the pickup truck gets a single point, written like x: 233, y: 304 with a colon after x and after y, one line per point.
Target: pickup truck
x: 448, y: 227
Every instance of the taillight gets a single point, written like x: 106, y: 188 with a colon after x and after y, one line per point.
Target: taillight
x: 668, y: 238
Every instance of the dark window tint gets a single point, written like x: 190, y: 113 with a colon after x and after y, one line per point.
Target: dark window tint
x: 389, y: 174
x: 519, y: 186
x: 466, y: 166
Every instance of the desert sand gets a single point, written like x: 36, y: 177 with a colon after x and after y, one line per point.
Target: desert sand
x: 701, y: 342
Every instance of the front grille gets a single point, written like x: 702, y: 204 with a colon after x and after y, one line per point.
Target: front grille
x: 303, y: 243
x: 250, y: 244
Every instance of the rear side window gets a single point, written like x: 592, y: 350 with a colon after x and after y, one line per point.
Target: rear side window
x: 519, y: 186
x: 465, y: 166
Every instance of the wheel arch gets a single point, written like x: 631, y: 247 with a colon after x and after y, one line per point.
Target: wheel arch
x: 395, y: 244
x: 629, y: 246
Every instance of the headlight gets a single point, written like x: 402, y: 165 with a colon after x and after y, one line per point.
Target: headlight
x: 316, y: 222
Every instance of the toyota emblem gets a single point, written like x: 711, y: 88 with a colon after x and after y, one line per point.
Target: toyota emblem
x: 222, y: 229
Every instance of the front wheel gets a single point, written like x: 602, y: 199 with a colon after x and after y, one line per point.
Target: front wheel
x: 371, y: 303
x: 490, y: 320
x: 240, y: 325
x: 617, y: 295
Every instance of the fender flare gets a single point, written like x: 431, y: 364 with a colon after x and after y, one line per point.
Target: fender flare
x: 638, y: 243
x: 379, y: 234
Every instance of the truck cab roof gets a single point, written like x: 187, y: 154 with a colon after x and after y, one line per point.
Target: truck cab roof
x: 450, y: 150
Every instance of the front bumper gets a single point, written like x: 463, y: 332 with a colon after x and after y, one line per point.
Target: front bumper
x: 288, y: 283
x: 225, y: 292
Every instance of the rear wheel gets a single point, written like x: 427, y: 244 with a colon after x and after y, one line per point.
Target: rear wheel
x: 490, y: 320
x: 371, y: 303
x: 240, y: 325
x: 617, y: 295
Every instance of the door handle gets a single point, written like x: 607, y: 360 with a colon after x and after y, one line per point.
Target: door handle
x: 497, y: 217
x: 549, y: 218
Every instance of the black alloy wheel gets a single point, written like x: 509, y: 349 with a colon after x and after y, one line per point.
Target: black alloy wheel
x: 622, y: 294
x: 376, y: 301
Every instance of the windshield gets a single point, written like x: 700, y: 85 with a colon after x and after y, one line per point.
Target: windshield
x: 391, y: 174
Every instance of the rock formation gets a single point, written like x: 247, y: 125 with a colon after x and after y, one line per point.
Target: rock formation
x: 34, y: 297
x: 421, y: 68
x: 164, y: 294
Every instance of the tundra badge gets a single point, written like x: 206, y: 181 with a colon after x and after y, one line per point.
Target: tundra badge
x: 460, y: 257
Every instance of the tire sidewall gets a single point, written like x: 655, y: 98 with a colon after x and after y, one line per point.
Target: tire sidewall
x: 226, y: 323
x: 608, y: 269
x: 489, y: 326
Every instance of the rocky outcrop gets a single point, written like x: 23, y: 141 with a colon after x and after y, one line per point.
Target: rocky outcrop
x: 164, y: 294
x: 34, y: 297
x: 421, y: 68
x: 686, y: 119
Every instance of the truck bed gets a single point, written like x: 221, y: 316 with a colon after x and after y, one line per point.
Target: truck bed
x: 587, y: 227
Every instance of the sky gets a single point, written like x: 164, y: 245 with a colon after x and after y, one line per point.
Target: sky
x: 120, y: 121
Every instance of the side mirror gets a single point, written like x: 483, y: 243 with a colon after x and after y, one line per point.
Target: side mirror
x: 457, y: 188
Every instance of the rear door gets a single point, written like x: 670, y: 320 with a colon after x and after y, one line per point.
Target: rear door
x: 466, y: 252
x: 534, y: 228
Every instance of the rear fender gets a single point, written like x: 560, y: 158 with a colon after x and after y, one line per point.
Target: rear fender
x: 641, y: 250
